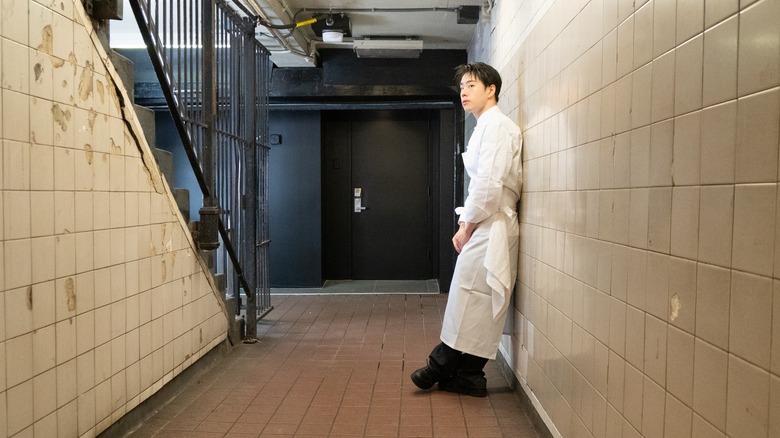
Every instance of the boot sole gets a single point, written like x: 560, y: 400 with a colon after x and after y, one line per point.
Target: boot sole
x: 473, y: 392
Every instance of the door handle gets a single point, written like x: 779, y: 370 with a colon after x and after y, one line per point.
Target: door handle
x: 357, y: 204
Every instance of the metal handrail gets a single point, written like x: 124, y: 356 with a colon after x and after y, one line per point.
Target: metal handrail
x: 215, y: 77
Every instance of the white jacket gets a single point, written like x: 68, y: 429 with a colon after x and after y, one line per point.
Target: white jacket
x: 485, y: 271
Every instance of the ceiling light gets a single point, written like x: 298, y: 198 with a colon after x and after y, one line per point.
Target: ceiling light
x: 332, y: 36
x: 368, y: 48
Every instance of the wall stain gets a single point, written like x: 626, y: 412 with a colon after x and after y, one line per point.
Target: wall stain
x: 73, y: 63
x: 115, y: 148
x: 61, y: 117
x: 70, y: 293
x: 86, y: 82
x: 164, y: 270
x: 88, y: 153
x: 38, y: 69
x: 128, y: 138
x: 101, y: 90
x: 29, y: 300
x: 114, y: 97
x: 91, y: 118
x: 167, y: 241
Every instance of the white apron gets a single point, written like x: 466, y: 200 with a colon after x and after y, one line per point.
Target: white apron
x: 485, y: 271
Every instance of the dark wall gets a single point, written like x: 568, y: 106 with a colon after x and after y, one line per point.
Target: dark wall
x: 434, y: 68
x: 450, y: 165
x: 295, y: 200
x: 344, y: 77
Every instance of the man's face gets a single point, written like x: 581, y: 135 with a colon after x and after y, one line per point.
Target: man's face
x: 474, y: 95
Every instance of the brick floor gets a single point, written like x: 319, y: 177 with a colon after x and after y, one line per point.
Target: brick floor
x: 338, y: 365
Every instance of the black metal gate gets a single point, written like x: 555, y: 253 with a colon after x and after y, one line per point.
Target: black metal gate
x: 215, y: 77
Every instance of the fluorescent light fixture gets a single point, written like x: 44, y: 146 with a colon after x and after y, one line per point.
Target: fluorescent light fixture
x: 369, y: 48
x: 332, y: 36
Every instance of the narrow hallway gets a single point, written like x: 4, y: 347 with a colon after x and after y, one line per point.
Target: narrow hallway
x: 337, y: 365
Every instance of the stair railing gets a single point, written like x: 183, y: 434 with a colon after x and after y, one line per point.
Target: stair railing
x: 215, y: 77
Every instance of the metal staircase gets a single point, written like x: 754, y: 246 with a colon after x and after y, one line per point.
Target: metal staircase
x: 214, y: 77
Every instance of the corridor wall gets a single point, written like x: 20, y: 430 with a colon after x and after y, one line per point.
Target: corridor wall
x: 648, y: 300
x: 103, y: 298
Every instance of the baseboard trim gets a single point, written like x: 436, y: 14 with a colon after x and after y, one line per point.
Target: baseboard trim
x: 147, y: 408
x: 539, y: 423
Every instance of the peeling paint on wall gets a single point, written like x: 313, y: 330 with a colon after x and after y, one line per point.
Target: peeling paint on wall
x: 101, y: 91
x: 88, y: 153
x: 70, y: 293
x: 74, y: 62
x: 47, y: 40
x: 47, y: 46
x: 114, y: 97
x: 61, y: 117
x: 676, y: 305
x: 91, y: 118
x: 114, y: 147
x: 66, y: 95
x: 86, y: 81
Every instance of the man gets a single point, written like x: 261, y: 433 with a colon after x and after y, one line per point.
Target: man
x: 487, y: 241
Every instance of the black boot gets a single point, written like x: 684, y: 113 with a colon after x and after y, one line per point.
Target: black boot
x: 425, y: 377
x: 441, y: 364
x: 469, y: 377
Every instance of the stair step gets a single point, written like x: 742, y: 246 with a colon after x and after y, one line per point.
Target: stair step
x: 221, y: 280
x: 126, y: 69
x: 147, y: 121
x: 165, y: 161
x: 182, y: 197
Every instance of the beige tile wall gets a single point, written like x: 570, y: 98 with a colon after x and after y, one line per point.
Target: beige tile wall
x: 648, y: 299
x: 102, y: 296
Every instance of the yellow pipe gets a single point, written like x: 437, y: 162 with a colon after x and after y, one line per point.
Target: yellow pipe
x: 305, y: 22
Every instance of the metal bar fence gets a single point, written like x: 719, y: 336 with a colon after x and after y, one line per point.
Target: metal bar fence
x: 215, y: 76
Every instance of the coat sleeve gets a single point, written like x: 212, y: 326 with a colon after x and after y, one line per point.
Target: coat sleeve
x: 493, y: 163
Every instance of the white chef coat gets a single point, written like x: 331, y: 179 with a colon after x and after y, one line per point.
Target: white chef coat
x: 485, y: 271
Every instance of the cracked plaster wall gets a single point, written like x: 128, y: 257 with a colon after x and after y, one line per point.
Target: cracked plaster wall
x: 102, y: 296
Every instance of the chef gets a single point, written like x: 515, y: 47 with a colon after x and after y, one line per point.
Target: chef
x: 487, y: 242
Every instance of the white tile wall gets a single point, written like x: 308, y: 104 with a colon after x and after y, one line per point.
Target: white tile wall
x: 720, y: 62
x: 77, y: 349
x: 682, y: 211
x: 759, y: 39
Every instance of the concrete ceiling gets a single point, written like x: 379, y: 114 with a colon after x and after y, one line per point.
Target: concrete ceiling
x: 434, y: 22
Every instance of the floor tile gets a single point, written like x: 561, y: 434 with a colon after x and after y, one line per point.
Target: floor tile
x: 338, y: 365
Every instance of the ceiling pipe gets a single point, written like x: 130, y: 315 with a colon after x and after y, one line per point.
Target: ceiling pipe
x: 278, y: 36
x: 339, y: 10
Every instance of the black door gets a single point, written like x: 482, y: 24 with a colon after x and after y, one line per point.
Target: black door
x: 376, y: 169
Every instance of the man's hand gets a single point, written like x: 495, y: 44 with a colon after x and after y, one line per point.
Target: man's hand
x: 463, y: 235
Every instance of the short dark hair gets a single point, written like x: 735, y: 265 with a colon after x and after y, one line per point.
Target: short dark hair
x: 482, y: 72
